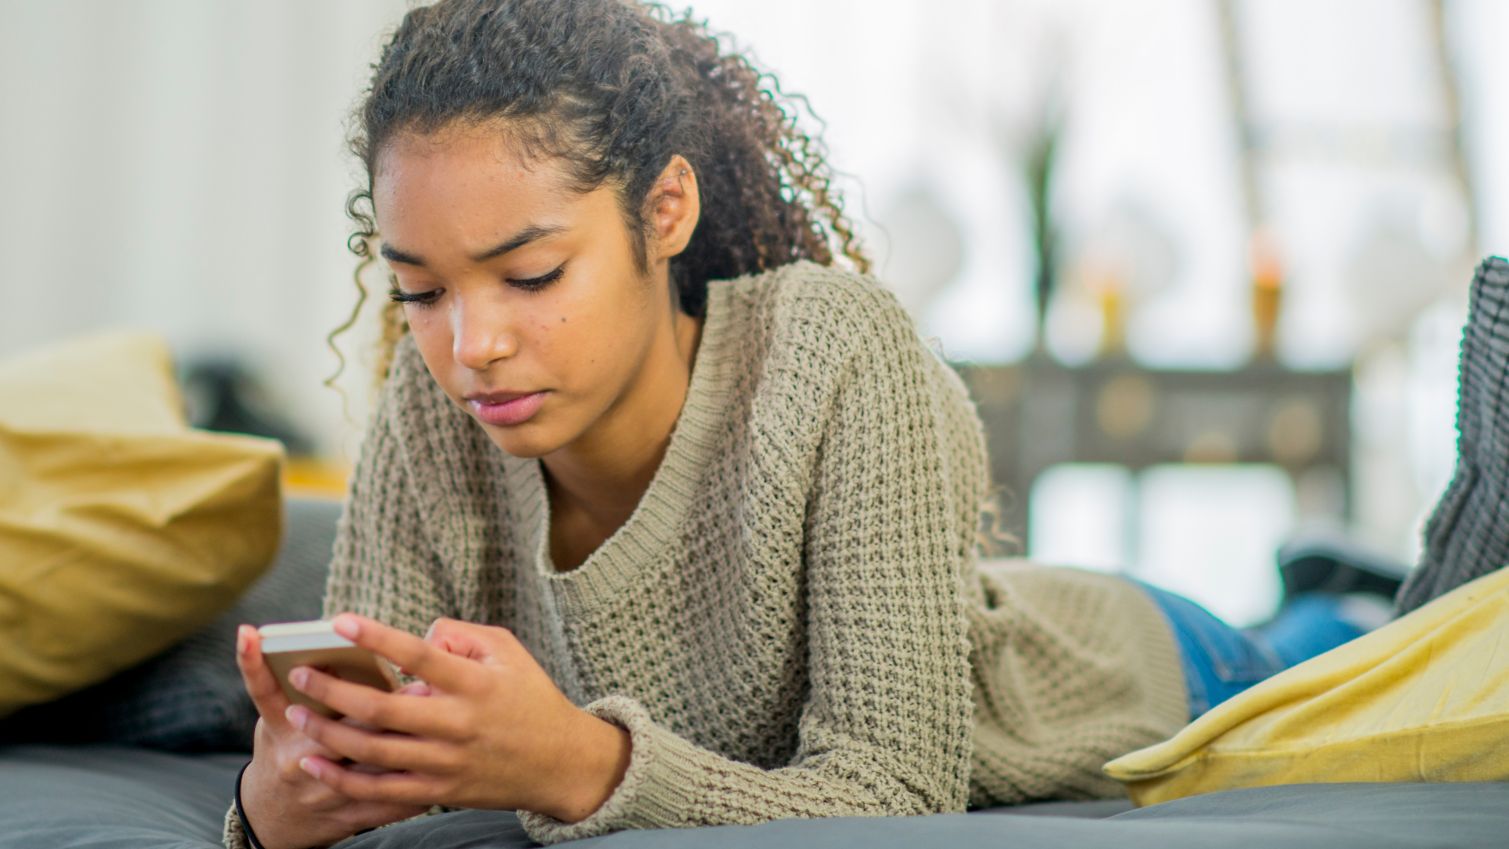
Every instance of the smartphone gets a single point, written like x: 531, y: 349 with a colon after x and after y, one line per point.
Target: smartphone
x: 315, y: 643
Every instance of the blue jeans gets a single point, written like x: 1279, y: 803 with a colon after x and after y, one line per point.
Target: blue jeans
x: 1220, y: 661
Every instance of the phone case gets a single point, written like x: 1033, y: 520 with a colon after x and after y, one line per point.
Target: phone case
x: 348, y: 662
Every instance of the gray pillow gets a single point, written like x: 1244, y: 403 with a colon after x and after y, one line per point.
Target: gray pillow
x: 190, y: 698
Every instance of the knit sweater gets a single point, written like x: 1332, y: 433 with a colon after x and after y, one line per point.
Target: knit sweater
x: 793, y: 622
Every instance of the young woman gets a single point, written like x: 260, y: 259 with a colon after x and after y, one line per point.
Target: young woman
x: 685, y: 512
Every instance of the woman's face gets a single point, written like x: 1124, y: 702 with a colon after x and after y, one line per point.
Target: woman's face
x: 514, y: 283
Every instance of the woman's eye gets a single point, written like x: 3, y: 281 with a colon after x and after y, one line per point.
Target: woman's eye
x: 534, y: 284
x: 425, y: 299
x: 422, y: 299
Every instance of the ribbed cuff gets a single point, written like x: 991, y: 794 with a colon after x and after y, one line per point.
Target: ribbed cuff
x: 232, y: 835
x: 656, y: 787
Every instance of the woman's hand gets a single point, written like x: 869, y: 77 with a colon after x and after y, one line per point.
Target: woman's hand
x: 495, y: 732
x: 287, y: 808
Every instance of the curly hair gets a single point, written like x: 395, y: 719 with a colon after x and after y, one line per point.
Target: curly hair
x: 614, y: 89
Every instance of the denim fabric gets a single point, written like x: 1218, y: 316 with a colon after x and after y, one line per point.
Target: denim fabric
x: 1221, y: 661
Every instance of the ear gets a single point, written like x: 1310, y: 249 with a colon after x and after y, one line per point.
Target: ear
x: 672, y: 209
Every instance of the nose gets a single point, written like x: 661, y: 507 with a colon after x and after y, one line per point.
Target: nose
x: 481, y: 333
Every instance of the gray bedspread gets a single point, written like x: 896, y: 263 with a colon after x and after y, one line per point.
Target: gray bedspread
x: 149, y: 759
x: 118, y: 797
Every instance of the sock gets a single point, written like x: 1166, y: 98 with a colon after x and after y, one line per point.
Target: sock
x: 1467, y: 534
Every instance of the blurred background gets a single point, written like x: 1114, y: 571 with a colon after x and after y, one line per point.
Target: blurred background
x: 1203, y: 263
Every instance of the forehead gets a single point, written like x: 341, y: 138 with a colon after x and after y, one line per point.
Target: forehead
x: 464, y: 177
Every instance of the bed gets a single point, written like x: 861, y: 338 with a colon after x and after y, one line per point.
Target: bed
x: 149, y: 759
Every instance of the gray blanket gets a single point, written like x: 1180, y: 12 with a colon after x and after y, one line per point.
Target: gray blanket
x: 149, y: 759
x: 119, y: 797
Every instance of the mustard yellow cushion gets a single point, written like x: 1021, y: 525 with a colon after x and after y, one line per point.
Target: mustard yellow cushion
x: 1425, y: 698
x: 122, y: 530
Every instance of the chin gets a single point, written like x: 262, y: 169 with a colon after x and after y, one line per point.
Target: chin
x: 524, y: 441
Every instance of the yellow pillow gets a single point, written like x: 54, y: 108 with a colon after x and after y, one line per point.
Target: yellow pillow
x: 1424, y: 698
x: 122, y: 530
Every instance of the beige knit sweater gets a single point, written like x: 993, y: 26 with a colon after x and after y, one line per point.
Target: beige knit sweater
x: 793, y: 622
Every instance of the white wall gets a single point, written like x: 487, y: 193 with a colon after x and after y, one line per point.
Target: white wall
x: 178, y: 165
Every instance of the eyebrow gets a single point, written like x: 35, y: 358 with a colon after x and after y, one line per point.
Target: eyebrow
x: 518, y: 240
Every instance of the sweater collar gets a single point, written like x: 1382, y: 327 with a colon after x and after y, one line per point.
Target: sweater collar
x: 638, y: 547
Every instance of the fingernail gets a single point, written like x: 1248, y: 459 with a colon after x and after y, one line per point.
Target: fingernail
x: 296, y: 715
x: 346, y: 628
x: 299, y: 677
x: 241, y: 639
x: 308, y: 766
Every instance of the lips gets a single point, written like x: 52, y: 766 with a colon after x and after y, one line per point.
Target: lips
x: 505, y: 409
x: 495, y: 397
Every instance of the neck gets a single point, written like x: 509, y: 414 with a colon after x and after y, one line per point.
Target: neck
x: 602, y: 475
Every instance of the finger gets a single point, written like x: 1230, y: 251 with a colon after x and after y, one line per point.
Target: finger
x: 411, y: 654
x: 261, y: 684
x: 372, y: 748
x: 457, y: 638
x: 417, y: 688
x: 374, y: 708
x: 394, y: 787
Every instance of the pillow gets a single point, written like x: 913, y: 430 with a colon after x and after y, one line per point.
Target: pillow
x: 122, y: 530
x: 190, y: 699
x: 1424, y: 698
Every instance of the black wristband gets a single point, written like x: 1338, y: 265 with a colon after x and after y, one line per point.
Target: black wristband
x: 251, y: 836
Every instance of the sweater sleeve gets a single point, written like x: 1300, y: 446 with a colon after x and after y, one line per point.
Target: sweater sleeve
x: 381, y: 566
x: 887, y: 725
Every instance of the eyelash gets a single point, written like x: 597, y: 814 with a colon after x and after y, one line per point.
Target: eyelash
x: 425, y: 299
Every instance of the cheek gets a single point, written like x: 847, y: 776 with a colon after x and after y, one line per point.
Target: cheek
x: 560, y: 342
x: 610, y: 334
x: 431, y: 333
x: 432, y: 336
x: 577, y: 334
